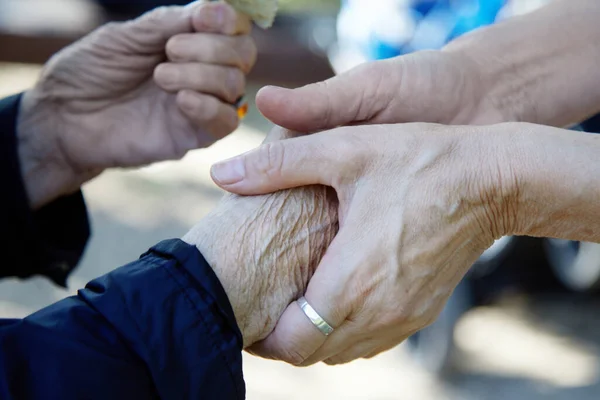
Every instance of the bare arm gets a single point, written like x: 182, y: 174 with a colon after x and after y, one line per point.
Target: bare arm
x: 541, y: 67
x: 419, y: 203
x: 557, y: 173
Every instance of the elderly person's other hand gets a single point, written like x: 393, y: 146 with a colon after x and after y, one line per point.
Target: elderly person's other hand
x: 264, y: 249
x: 133, y: 93
x: 419, y: 203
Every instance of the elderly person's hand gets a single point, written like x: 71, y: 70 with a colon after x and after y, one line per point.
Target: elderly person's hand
x: 489, y: 76
x: 264, y: 249
x: 133, y: 93
x: 419, y: 203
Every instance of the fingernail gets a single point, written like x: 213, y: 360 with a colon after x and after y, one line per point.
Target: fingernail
x: 228, y: 172
x: 213, y: 16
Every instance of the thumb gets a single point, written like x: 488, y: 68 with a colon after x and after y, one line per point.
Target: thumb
x: 358, y: 95
x: 309, y: 160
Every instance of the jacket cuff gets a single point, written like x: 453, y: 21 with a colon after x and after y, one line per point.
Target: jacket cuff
x: 171, y: 309
x: 47, y: 242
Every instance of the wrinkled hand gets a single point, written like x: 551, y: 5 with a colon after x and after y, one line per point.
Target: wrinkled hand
x: 133, y: 93
x: 264, y: 249
x: 419, y: 203
x: 429, y: 86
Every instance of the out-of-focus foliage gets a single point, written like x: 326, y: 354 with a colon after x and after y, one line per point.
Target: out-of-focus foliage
x: 309, y: 5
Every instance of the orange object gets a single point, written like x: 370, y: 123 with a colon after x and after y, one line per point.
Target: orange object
x: 242, y: 110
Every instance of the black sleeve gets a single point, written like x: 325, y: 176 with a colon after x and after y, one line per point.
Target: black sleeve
x: 47, y: 242
x: 161, y: 327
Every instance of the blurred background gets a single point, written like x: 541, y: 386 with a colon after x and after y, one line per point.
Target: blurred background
x: 523, y: 324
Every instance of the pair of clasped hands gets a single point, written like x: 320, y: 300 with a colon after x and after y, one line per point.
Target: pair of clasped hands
x: 374, y: 219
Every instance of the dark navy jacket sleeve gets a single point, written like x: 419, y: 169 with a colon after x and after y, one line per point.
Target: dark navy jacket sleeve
x: 160, y: 327
x: 47, y: 242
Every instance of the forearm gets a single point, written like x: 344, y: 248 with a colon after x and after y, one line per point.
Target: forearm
x: 541, y: 67
x: 557, y: 173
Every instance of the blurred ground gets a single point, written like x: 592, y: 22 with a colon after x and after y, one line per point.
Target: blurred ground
x: 519, y: 350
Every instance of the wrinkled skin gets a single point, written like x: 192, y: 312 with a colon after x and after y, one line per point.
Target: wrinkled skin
x: 133, y: 93
x: 419, y: 203
x: 265, y: 249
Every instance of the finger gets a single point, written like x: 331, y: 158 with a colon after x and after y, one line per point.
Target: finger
x: 316, y: 159
x: 233, y: 51
x: 346, y: 338
x: 366, y: 349
x: 226, y: 83
x: 295, y: 338
x: 354, y: 352
x: 364, y: 283
x: 385, y: 348
x: 334, y: 352
x: 352, y: 97
x: 150, y: 32
x: 208, y: 113
x: 220, y: 17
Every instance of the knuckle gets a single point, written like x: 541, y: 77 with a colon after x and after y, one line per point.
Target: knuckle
x: 110, y: 32
x: 216, y: 49
x: 161, y: 74
x: 158, y: 14
x: 433, y: 314
x: 205, y: 20
x: 232, y: 122
x: 110, y: 28
x: 249, y: 53
x: 293, y: 357
x: 166, y: 75
x: 337, y: 360
x: 323, y: 88
x: 352, y: 156
x: 210, y: 109
x: 186, y: 100
x: 272, y: 160
x: 227, y: 125
x: 236, y: 83
x: 176, y: 48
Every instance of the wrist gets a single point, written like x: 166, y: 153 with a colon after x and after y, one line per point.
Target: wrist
x: 46, y: 174
x: 264, y: 250
x: 492, y: 191
x: 483, y: 108
x: 550, y: 78
x: 559, y: 193
x: 500, y: 98
x: 218, y: 238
